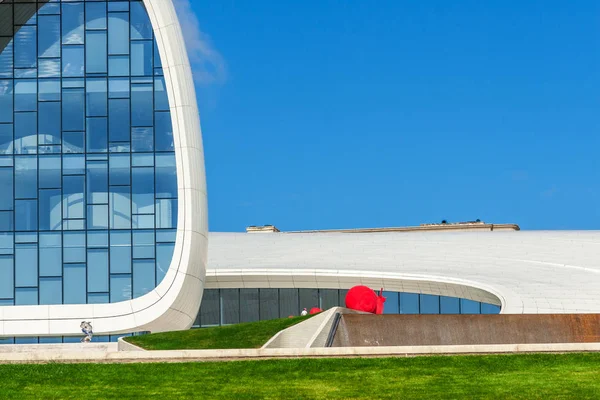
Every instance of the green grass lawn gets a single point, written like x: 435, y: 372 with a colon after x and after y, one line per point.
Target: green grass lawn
x: 249, y: 335
x: 567, y: 376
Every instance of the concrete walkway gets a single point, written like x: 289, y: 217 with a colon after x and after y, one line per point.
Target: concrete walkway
x: 92, y: 355
x: 57, y: 348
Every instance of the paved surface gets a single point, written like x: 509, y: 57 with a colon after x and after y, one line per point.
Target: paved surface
x: 58, y: 347
x: 256, y: 354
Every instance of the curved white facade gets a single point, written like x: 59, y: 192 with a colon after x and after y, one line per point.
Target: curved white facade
x: 174, y: 303
x: 523, y: 272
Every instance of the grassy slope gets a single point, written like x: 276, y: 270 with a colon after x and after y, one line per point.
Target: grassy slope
x: 575, y: 376
x: 239, y: 336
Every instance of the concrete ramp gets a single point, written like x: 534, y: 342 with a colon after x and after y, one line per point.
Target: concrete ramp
x: 359, y: 330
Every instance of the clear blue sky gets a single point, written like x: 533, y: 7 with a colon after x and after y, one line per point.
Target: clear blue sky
x: 342, y: 114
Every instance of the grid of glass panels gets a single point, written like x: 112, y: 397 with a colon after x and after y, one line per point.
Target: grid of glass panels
x: 88, y: 188
x: 232, y: 306
x: 64, y: 339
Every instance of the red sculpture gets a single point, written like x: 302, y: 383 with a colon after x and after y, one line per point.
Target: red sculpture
x: 315, y: 310
x: 362, y: 298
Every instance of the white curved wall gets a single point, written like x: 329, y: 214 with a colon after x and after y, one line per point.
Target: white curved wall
x: 524, y: 272
x: 175, y: 302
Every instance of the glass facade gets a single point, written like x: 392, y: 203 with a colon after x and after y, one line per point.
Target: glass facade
x: 232, y: 306
x: 88, y: 199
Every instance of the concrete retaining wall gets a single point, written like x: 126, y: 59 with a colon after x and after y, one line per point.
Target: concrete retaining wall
x: 439, y: 330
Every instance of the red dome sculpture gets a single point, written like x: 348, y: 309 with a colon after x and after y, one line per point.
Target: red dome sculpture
x: 315, y: 310
x: 363, y: 298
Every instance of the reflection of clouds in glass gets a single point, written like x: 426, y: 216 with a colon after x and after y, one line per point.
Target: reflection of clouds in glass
x: 5, y: 87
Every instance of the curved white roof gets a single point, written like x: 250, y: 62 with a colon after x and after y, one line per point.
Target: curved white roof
x: 524, y: 271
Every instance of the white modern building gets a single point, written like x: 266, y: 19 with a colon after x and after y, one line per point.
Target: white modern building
x: 426, y: 271
x: 103, y: 214
x: 103, y: 201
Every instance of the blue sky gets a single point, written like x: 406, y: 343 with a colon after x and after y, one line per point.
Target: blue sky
x: 341, y: 114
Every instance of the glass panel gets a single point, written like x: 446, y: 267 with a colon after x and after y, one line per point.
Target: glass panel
x: 98, y: 298
x: 142, y: 187
x: 120, y: 252
x: 309, y: 298
x: 6, y: 244
x: 164, y: 132
x: 97, y: 263
x: 6, y: 101
x: 26, y: 216
x: 119, y: 117
x: 98, y: 239
x: 449, y: 305
x: 49, y: 89
x: 25, y: 95
x: 7, y: 281
x: 489, y: 308
x: 74, y: 247
x: 73, y: 197
x: 269, y: 304
x: 142, y: 139
x: 329, y: 298
x: 343, y: 293
x: 96, y: 50
x: 50, y: 290
x: 95, y: 16
x: 50, y: 254
x: 120, y: 288
x: 97, y: 182
x: 288, y: 302
x: 6, y: 182
x: 74, y: 284
x: 470, y: 307
x: 26, y: 297
x: 50, y: 172
x: 141, y: 58
x: 25, y: 133
x: 118, y: 33
x: 209, y: 309
x: 143, y: 277
x: 72, y: 61
x: 249, y: 305
x: 26, y: 177
x: 26, y: 263
x: 142, y: 113
x: 409, y: 303
x: 391, y: 305
x: 6, y: 139
x: 73, y: 110
x: 119, y: 166
x: 25, y: 47
x: 49, y: 36
x: 72, y: 23
x: 166, y: 213
x: 50, y: 210
x: 120, y: 207
x: 164, y: 255
x: 143, y: 244
x: 97, y: 97
x: 140, y: 23
x: 430, y: 304
x: 230, y: 306
x: 166, y: 176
